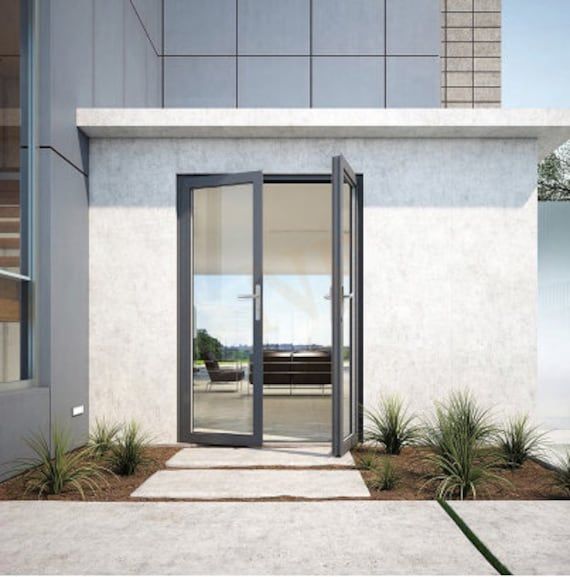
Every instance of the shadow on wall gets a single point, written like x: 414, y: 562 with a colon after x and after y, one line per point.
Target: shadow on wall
x: 438, y: 173
x: 448, y: 173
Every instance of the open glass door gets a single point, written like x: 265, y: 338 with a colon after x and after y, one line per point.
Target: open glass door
x: 221, y: 370
x: 344, y: 313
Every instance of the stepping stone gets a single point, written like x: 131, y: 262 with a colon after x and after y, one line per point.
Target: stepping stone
x: 529, y: 537
x: 211, y: 484
x: 220, y: 457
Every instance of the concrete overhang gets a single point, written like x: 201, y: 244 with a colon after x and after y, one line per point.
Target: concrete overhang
x: 550, y: 127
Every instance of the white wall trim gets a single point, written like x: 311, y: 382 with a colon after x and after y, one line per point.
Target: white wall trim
x: 550, y: 127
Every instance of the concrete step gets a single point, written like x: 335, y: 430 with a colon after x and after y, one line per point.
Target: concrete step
x: 212, y: 484
x: 292, y: 456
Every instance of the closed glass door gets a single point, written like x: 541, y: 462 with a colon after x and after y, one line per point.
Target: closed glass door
x: 221, y: 320
x: 344, y: 311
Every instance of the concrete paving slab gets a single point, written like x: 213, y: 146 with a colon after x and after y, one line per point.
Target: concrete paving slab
x: 529, y: 537
x: 334, y: 538
x: 296, y: 456
x: 252, y: 484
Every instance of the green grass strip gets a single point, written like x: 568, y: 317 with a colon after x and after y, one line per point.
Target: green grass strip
x: 477, y: 543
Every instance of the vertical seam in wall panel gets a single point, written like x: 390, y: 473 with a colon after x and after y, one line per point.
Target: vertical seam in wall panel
x: 310, y: 53
x: 445, y: 98
x: 93, y: 103
x: 124, y: 57
x: 385, y: 53
x: 473, y: 53
x: 236, y: 57
x: 161, y: 57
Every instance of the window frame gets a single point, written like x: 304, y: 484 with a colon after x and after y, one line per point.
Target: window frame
x: 29, y: 14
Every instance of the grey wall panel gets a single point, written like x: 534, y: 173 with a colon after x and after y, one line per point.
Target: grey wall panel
x: 67, y: 61
x: 136, y: 47
x: 200, y: 28
x: 150, y: 14
x: 273, y: 82
x: 413, y: 27
x: 22, y: 413
x: 413, y: 82
x: 109, y: 46
x: 273, y: 27
x: 355, y: 27
x: 200, y: 82
x: 64, y: 283
x: 348, y: 82
x: 153, y: 78
x: 127, y: 70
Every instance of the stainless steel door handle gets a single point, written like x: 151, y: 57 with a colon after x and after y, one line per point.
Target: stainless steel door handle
x: 256, y: 296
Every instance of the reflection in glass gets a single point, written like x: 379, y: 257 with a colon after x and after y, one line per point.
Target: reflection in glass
x: 11, y: 147
x: 9, y: 330
x: 223, y: 322
x: 297, y: 311
x: 10, y: 120
x: 553, y: 395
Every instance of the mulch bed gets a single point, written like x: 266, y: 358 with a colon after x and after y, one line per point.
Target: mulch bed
x: 118, y: 488
x: 532, y: 481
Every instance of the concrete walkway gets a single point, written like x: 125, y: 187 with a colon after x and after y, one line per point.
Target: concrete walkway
x: 306, y: 456
x: 211, y: 484
x: 529, y: 537
x: 210, y: 473
x: 342, y: 537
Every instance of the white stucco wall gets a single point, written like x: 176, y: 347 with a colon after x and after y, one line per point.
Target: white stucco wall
x: 450, y: 280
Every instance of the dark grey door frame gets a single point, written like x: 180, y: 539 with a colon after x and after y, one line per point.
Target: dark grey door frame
x: 341, y: 173
x: 185, y: 185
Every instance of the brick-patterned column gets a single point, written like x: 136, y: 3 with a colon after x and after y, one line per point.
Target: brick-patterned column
x: 471, y: 54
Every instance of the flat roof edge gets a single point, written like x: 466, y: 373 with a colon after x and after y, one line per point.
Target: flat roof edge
x: 551, y: 127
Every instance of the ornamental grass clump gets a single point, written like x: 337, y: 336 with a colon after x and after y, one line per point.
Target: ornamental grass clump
x: 390, y: 425
x: 519, y: 440
x: 460, y: 441
x: 384, y: 476
x: 129, y: 450
x: 367, y: 460
x: 66, y: 470
x: 103, y: 436
x: 562, y: 475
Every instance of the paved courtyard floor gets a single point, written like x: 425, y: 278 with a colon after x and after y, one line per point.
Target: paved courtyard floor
x: 340, y: 537
x: 529, y: 537
x: 214, y: 536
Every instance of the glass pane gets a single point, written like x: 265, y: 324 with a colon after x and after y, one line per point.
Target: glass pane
x: 10, y: 146
x: 223, y: 322
x: 9, y: 330
x: 347, y: 267
x: 297, y: 391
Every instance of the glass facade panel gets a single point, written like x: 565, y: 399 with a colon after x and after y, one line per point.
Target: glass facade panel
x: 223, y: 317
x: 10, y: 135
x: 14, y: 151
x: 297, y: 334
x: 10, y: 317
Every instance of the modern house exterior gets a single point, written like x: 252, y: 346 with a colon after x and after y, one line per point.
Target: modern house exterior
x: 239, y: 221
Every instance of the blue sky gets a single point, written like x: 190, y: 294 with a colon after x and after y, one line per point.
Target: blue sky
x: 536, y: 53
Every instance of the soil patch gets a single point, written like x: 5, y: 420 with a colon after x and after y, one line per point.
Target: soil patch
x: 532, y: 481
x: 117, y: 488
